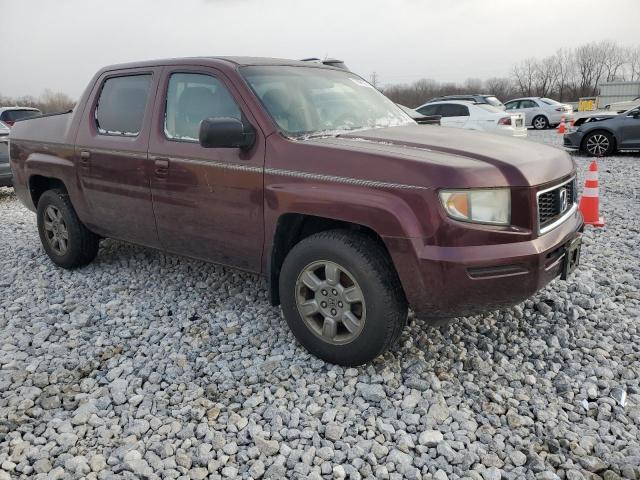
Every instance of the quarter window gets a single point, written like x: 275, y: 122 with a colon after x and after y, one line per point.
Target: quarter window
x: 193, y: 97
x: 122, y: 104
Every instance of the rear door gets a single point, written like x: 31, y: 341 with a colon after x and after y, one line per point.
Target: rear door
x: 530, y: 110
x: 453, y: 115
x: 111, y: 155
x: 630, y: 130
x: 208, y: 201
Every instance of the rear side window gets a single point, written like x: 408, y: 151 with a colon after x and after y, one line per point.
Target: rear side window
x: 453, y: 110
x: 528, y: 104
x: 429, y: 110
x: 511, y: 105
x: 193, y: 97
x: 122, y: 104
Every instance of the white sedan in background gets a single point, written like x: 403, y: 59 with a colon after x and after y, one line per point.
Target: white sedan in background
x: 540, y: 112
x: 476, y: 116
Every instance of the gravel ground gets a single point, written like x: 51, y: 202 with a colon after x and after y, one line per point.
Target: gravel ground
x: 143, y: 365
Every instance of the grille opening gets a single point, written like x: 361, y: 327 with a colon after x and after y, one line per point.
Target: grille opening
x: 550, y: 207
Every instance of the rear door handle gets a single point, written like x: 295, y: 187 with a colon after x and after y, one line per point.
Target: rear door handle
x: 162, y: 167
x: 85, y: 157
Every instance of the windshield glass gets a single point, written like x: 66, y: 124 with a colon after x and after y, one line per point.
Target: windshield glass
x: 493, y: 101
x: 307, y: 101
x: 15, y: 115
x: 548, y: 101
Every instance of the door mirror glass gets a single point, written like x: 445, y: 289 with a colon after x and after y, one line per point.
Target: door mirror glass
x: 226, y: 132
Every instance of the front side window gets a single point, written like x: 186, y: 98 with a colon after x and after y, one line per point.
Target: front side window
x: 308, y: 101
x: 428, y: 110
x: 121, y: 106
x: 193, y: 97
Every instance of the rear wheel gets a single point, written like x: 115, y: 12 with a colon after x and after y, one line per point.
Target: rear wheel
x: 68, y: 243
x: 599, y: 144
x: 341, y: 297
x: 540, y: 122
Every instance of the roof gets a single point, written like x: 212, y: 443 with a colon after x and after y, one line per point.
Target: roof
x: 3, y: 109
x: 239, y: 61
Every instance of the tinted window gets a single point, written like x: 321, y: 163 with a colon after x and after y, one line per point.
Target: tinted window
x: 528, y: 104
x: 192, y: 97
x: 428, y: 109
x: 453, y: 110
x: 511, y: 105
x: 15, y: 115
x: 121, y: 105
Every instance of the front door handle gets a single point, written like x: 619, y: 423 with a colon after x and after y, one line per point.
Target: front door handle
x: 162, y: 166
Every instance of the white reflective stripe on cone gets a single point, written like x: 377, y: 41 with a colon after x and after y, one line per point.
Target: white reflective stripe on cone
x: 591, y: 175
x: 590, y: 192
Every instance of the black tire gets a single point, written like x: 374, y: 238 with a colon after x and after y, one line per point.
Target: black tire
x: 598, y: 144
x: 81, y: 245
x: 371, y: 268
x: 540, y: 122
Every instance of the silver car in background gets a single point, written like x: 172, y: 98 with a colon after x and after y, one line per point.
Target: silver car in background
x: 540, y: 112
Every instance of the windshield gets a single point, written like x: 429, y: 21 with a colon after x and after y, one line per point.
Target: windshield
x: 493, y: 101
x: 307, y: 101
x: 15, y: 115
x: 548, y: 101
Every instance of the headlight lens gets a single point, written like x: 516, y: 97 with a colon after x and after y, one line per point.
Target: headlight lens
x: 486, y: 205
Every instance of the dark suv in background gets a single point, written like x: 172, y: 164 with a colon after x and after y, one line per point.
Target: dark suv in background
x: 476, y: 97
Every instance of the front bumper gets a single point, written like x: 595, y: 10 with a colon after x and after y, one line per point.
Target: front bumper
x: 573, y: 139
x: 458, y: 281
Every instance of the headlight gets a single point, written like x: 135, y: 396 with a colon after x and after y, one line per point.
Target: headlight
x: 482, y: 205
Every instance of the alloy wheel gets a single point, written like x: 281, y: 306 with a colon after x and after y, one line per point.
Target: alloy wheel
x: 539, y: 123
x: 598, y: 144
x: 330, y: 302
x: 56, y: 231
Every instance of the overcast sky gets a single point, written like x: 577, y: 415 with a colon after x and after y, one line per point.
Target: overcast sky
x: 60, y: 44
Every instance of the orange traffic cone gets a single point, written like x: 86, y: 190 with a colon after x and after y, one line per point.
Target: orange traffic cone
x: 590, y: 203
x: 562, y: 128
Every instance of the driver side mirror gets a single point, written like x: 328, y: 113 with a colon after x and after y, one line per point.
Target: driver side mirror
x: 224, y: 132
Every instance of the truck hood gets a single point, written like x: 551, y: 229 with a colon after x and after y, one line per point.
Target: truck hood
x: 472, y: 158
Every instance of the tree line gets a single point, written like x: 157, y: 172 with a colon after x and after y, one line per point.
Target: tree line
x: 566, y: 75
x: 48, y: 102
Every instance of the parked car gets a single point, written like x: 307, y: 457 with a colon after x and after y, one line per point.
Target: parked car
x: 603, y: 134
x: 420, y: 118
x: 10, y: 115
x: 352, y: 216
x: 476, y: 98
x: 5, y: 169
x: 623, y: 106
x: 540, y: 112
x: 471, y: 116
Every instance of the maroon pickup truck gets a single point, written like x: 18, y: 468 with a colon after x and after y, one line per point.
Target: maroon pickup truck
x: 308, y: 175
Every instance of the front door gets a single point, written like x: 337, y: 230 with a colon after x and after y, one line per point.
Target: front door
x: 630, y: 130
x: 111, y: 154
x: 208, y: 201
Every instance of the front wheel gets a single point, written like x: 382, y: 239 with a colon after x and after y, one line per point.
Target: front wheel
x: 599, y: 144
x: 341, y: 297
x: 68, y: 243
x: 540, y: 122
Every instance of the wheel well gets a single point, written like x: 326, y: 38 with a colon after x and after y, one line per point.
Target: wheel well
x: 291, y: 229
x: 599, y: 130
x: 39, y: 184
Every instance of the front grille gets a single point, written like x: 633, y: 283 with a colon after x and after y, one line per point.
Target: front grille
x: 553, y: 203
